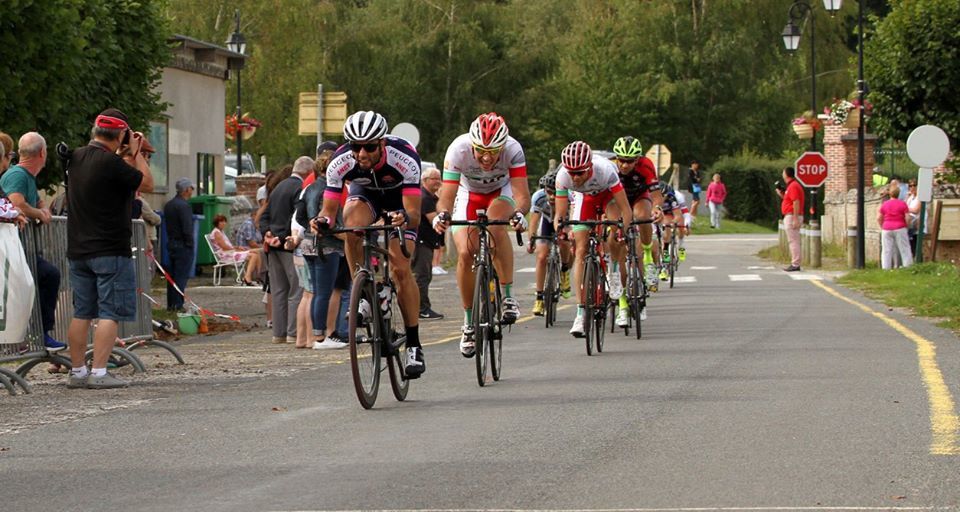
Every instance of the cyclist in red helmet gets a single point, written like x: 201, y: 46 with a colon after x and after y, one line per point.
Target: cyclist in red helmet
x: 484, y: 169
x: 595, y: 182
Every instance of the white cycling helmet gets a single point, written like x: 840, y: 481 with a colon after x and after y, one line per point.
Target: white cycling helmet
x: 363, y: 126
x: 489, y: 131
x: 576, y: 156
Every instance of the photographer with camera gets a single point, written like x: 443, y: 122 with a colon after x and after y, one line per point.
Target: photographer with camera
x: 102, y: 275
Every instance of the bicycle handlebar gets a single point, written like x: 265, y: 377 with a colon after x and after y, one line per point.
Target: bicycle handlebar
x: 486, y: 223
x: 357, y: 230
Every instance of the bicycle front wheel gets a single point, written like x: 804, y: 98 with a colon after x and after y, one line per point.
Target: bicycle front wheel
x: 603, y: 305
x: 365, y: 337
x: 673, y: 261
x: 550, y: 295
x: 589, y: 285
x: 481, y: 323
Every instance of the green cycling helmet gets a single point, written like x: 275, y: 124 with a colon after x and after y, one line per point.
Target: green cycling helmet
x: 627, y: 147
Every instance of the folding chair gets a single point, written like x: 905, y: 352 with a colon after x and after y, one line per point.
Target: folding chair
x: 237, y: 266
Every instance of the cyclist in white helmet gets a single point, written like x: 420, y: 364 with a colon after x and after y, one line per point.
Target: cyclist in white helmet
x: 384, y: 176
x: 597, y: 181
x: 484, y: 169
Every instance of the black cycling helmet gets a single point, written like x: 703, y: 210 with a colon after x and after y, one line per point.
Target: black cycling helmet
x: 548, y: 182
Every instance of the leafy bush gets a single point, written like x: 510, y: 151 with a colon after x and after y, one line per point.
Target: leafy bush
x: 750, y: 181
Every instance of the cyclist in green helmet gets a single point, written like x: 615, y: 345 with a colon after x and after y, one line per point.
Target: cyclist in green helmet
x: 640, y: 182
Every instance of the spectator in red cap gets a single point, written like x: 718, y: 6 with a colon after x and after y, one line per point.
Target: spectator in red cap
x: 100, y: 202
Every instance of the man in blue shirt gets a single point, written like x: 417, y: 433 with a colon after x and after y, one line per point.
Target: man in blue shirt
x: 20, y: 184
x: 178, y: 217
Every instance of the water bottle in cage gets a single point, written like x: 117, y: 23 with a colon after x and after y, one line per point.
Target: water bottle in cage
x: 384, y: 294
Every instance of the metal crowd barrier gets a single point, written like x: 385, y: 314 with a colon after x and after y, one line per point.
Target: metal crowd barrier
x: 50, y: 241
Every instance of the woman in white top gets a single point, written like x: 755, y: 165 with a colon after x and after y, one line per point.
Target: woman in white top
x: 222, y: 246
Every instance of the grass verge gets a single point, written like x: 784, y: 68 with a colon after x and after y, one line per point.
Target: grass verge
x: 928, y: 289
x: 702, y: 227
x: 832, y: 256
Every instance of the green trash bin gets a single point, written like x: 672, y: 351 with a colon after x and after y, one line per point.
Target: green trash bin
x: 209, y: 206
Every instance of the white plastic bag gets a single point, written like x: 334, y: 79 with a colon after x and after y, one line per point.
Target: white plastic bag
x: 16, y: 287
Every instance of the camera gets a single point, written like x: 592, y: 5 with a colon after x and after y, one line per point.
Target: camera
x: 126, y: 138
x: 779, y: 185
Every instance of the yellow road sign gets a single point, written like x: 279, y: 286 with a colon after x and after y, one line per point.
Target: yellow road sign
x: 334, y: 112
x: 659, y: 154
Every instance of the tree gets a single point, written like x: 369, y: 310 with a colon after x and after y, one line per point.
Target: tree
x: 912, y: 66
x: 75, y: 58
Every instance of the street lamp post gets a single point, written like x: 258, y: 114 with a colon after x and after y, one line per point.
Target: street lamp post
x: 238, y: 44
x: 791, y: 40
x: 862, y: 92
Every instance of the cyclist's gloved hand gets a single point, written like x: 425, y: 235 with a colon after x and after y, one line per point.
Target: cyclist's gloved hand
x: 398, y: 218
x: 519, y: 221
x: 320, y: 223
x: 441, y: 221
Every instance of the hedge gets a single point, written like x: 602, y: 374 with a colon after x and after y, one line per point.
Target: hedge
x: 751, y: 182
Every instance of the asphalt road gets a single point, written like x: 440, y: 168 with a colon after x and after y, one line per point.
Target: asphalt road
x: 749, y: 390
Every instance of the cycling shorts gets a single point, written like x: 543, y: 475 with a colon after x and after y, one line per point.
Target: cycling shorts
x: 545, y: 229
x: 467, y: 203
x: 379, y: 201
x: 586, y: 207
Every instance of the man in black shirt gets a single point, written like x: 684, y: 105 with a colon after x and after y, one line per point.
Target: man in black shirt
x: 275, y: 226
x: 178, y: 216
x: 428, y: 240
x: 99, y: 229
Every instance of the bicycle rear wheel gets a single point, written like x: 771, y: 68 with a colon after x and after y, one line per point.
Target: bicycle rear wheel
x: 589, y: 285
x: 496, y: 328
x: 481, y: 321
x: 365, y: 336
x: 673, y: 260
x: 398, y: 379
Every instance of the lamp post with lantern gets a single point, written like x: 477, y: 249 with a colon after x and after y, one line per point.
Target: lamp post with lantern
x: 238, y: 44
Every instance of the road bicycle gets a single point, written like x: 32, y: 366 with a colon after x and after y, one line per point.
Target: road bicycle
x: 671, y: 259
x: 376, y: 329
x: 551, y: 281
x: 597, y: 302
x: 487, y: 299
x: 637, y: 291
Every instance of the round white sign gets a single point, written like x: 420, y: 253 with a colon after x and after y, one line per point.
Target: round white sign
x: 928, y: 146
x: 407, y: 131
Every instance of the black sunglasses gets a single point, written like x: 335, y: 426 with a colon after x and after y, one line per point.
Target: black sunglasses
x: 369, y: 147
x: 576, y: 173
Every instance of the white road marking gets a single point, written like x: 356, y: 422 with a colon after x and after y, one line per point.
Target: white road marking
x: 685, y: 279
x: 703, y: 268
x: 806, y: 277
x: 745, y: 277
x: 755, y: 267
x: 527, y: 270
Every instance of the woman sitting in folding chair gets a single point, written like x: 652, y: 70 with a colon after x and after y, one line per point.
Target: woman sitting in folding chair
x: 227, y: 254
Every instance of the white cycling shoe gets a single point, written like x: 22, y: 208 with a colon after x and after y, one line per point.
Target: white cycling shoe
x: 577, y: 329
x: 623, y: 317
x: 467, y: 346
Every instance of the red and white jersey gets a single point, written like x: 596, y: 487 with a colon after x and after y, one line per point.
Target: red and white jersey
x: 460, y: 166
x: 605, y: 178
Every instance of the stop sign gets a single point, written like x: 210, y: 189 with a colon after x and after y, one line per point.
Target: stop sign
x: 811, y: 169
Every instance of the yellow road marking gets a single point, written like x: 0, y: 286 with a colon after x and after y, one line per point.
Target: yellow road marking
x: 944, y: 421
x: 519, y: 321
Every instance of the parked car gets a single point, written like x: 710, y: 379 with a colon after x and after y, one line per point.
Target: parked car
x: 249, y: 166
x: 229, y: 181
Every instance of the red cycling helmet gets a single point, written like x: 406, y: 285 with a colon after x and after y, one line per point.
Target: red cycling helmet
x: 577, y: 156
x: 489, y: 131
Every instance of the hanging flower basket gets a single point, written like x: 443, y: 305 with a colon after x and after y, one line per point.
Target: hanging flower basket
x: 246, y: 127
x: 803, y: 131
x: 846, y: 113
